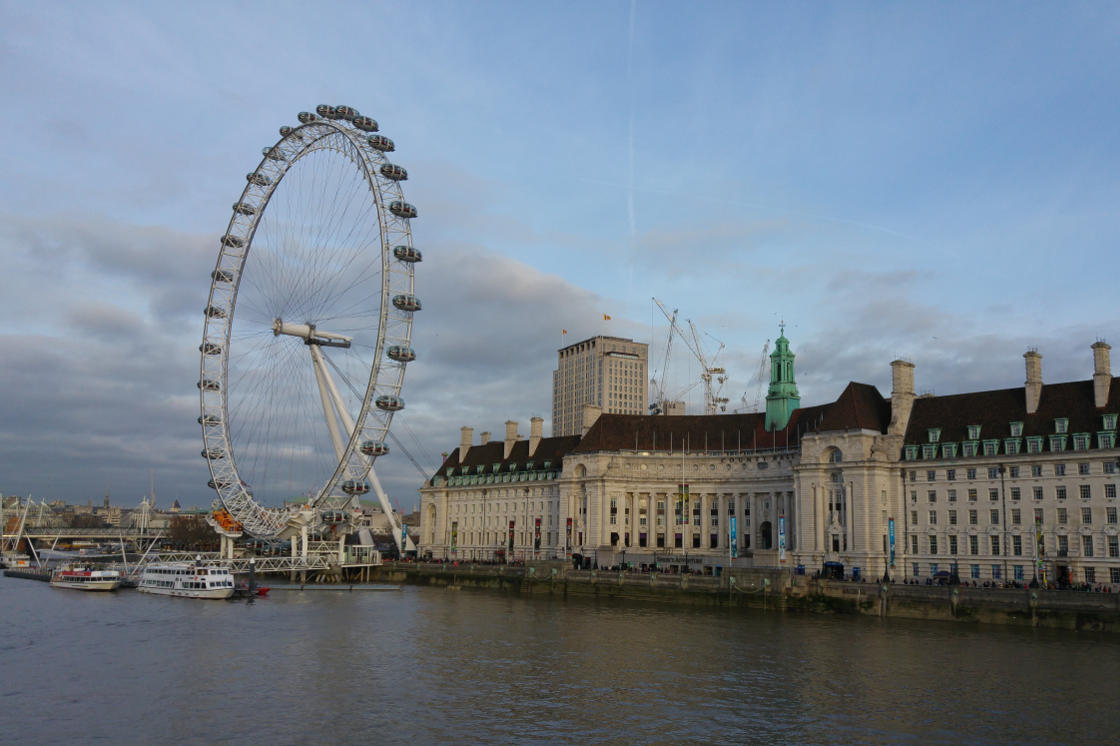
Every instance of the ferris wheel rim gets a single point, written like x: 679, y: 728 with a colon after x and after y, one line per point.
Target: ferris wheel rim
x: 394, y: 321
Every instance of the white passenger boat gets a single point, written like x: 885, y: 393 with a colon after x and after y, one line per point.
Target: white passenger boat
x: 86, y: 578
x: 186, y: 580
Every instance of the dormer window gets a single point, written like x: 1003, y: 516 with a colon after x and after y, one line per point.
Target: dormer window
x: 1016, y: 429
x: 1034, y: 444
x: 1057, y: 443
x: 929, y: 450
x: 1061, y: 425
x: 1108, y: 422
x: 1106, y: 440
x: 934, y: 434
x: 948, y: 450
x: 991, y: 447
x: 1011, y: 446
x: 910, y: 453
x: 973, y: 432
x: 1081, y: 441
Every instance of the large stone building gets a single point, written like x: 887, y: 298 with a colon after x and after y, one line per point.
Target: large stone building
x: 1010, y: 484
x: 606, y: 372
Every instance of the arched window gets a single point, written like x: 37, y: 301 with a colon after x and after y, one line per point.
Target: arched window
x: 835, y: 455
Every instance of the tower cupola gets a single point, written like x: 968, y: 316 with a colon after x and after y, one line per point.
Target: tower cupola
x: 782, y: 397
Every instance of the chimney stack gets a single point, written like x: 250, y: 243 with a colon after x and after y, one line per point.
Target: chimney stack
x: 536, y: 426
x: 1102, y: 373
x: 465, y: 435
x: 1034, y: 379
x: 511, y: 437
x: 902, y: 396
x: 484, y: 437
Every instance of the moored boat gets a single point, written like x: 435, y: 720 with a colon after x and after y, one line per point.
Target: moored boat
x: 186, y: 580
x: 84, y: 578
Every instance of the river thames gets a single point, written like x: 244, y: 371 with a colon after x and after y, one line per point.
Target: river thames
x: 426, y: 666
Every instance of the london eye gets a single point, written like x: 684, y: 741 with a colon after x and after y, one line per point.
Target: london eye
x: 308, y: 327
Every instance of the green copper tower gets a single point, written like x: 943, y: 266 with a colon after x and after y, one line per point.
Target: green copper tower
x: 782, y: 397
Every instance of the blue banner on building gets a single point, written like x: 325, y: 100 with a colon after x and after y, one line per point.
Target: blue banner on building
x: 734, y: 539
x: 890, y: 536
x: 781, y: 538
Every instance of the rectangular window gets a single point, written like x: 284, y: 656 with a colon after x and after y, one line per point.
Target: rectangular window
x: 996, y: 572
x: 950, y: 474
x: 1114, y: 546
x: 1059, y: 470
x: 1036, y: 470
x: 1110, y: 514
x: 970, y: 448
x: 1014, y: 471
x: 1087, y: 546
x: 1114, y: 574
x: 1063, y: 546
x: 931, y: 475
x: 1087, y: 516
x: 933, y: 545
x: 933, y: 517
x: 1034, y: 444
x: 1063, y: 516
x: 993, y: 494
x: 1037, y: 493
x: 1061, y: 425
x: 974, y: 545
x: 1057, y: 443
x: 1106, y: 440
x: 917, y: 569
x: 974, y: 570
x: 993, y: 472
x: 1110, y: 491
x: 1060, y: 492
x: 994, y: 517
x: 1015, y: 494
x: 932, y: 495
x: 972, y: 518
x: 1018, y: 571
x: 910, y: 452
x: 972, y: 495
x: 971, y: 473
x: 1017, y: 545
x: 991, y: 447
x: 1081, y: 441
x: 952, y: 496
x: 994, y: 542
x: 953, y: 517
x: 914, y: 517
x: 913, y: 544
x: 1082, y: 468
x: 948, y: 450
x: 952, y: 543
x: 1016, y: 429
x: 1038, y: 516
x: 934, y: 434
x: 1090, y: 574
x: 973, y: 432
x: 929, y: 451
x: 1016, y: 516
x: 1011, y: 446
x: 1085, y: 491
x: 913, y: 496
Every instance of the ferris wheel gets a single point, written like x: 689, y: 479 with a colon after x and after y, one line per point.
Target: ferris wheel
x: 308, y: 327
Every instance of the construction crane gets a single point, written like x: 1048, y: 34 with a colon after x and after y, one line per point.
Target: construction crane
x: 710, y: 372
x: 756, y: 383
x: 658, y: 397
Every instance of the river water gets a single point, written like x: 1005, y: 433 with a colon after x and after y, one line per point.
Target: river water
x: 427, y: 666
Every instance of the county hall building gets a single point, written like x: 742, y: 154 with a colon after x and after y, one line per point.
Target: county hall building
x: 1014, y: 484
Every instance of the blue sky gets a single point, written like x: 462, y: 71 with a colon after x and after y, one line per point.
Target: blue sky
x: 935, y: 182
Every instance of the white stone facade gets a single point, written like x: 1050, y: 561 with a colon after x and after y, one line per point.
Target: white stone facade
x: 606, y: 372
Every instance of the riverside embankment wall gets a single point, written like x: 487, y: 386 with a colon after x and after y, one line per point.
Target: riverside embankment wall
x: 779, y: 590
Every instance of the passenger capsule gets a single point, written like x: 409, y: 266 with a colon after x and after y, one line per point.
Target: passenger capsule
x: 273, y: 153
x: 285, y: 131
x: 210, y: 348
x: 215, y: 312
x: 389, y: 403
x: 213, y: 453
x: 394, y: 172
x: 346, y: 112
x: 208, y: 384
x: 401, y: 353
x: 355, y: 487
x: 233, y: 242
x: 407, y: 302
x: 402, y: 210
x: 326, y: 112
x: 407, y: 254
x: 382, y: 143
x: 244, y: 208
x: 333, y: 516
x: 210, y: 419
x: 373, y: 448
x: 221, y: 275
x: 365, y: 124
x: 258, y: 179
x: 306, y: 117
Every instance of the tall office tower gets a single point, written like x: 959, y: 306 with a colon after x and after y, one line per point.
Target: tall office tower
x: 608, y: 372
